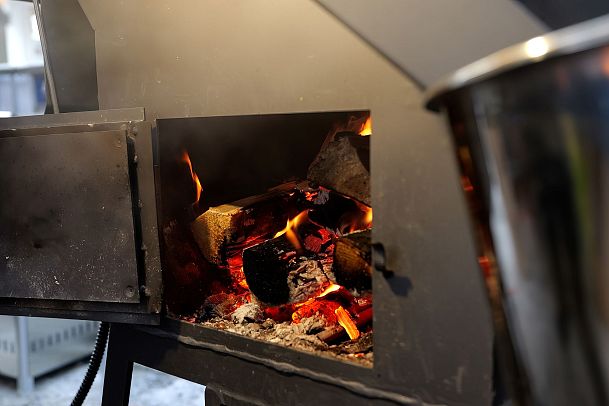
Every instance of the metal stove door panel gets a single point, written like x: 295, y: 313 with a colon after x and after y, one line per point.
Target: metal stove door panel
x: 66, y: 218
x: 77, y: 217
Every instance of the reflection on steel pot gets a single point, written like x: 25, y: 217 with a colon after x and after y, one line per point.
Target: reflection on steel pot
x: 531, y: 133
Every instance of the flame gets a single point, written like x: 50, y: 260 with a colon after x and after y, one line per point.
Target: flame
x: 356, y: 220
x: 366, y: 128
x: 330, y: 289
x: 345, y: 320
x: 193, y: 175
x: 368, y: 216
x: 291, y: 227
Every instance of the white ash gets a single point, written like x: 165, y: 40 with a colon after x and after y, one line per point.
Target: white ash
x: 247, y: 313
x: 307, y: 326
x: 306, y: 280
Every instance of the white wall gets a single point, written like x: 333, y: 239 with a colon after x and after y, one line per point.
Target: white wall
x: 21, y: 44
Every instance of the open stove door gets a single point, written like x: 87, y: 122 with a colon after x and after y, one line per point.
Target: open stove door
x: 78, y: 229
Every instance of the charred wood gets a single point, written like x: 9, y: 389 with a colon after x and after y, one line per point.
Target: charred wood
x: 352, y: 261
x: 306, y: 280
x: 222, y: 305
x: 235, y: 225
x: 266, y: 267
x: 338, y: 166
x: 362, y: 345
x: 277, y: 274
x: 337, y: 212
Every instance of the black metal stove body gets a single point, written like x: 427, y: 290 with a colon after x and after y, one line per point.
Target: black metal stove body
x: 433, y: 340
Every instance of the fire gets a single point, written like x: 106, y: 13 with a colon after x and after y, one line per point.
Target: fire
x: 330, y: 289
x: 345, y: 320
x: 366, y: 128
x: 291, y: 227
x: 357, y: 220
x: 193, y: 175
x: 467, y: 184
x: 368, y: 216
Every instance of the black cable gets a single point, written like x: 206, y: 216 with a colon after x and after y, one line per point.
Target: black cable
x: 94, y: 363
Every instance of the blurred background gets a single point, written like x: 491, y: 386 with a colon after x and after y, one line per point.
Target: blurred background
x: 21, y: 68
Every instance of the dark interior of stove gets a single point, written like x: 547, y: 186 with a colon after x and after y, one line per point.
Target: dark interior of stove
x: 266, y: 227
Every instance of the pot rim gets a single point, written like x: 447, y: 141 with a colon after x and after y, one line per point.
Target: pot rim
x: 575, y: 38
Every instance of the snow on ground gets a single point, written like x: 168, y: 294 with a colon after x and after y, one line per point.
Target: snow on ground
x: 148, y: 388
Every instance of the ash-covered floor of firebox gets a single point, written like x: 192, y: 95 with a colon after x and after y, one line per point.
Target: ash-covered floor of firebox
x: 148, y: 388
x: 299, y: 336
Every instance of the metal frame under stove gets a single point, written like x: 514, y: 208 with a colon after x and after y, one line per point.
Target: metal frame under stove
x: 236, y: 370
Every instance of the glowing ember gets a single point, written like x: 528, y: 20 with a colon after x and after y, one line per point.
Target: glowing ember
x: 290, y: 229
x: 366, y: 128
x: 330, y: 289
x: 193, y: 175
x: 466, y: 184
x: 324, y: 309
x: 345, y: 320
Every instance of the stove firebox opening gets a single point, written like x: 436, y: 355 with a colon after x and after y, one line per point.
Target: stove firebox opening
x: 266, y: 228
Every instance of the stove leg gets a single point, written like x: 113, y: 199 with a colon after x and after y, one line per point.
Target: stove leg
x: 119, y: 370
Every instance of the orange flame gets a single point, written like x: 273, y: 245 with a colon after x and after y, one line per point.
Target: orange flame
x: 290, y: 229
x: 368, y: 216
x: 193, y: 175
x: 357, y: 220
x: 330, y: 289
x: 366, y: 128
x: 345, y: 320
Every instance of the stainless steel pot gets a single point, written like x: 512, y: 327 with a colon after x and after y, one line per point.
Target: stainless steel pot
x: 530, y: 126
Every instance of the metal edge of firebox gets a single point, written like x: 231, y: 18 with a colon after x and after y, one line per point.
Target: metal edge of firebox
x: 142, y: 136
x: 192, y: 346
x: 366, y: 381
x: 72, y: 119
x: 131, y: 120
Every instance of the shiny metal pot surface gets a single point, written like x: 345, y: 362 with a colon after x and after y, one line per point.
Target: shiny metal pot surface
x: 530, y: 126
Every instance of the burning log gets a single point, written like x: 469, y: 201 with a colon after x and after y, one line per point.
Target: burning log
x: 352, y: 261
x: 338, y: 212
x: 346, y: 322
x: 306, y: 280
x: 342, y: 165
x: 277, y: 274
x: 266, y: 267
x: 239, y: 224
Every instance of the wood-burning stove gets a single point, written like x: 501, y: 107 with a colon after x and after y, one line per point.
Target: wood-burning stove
x: 81, y: 199
x: 432, y: 337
